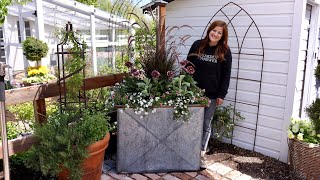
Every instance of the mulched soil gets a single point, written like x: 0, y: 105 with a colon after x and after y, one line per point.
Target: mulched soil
x: 255, y: 164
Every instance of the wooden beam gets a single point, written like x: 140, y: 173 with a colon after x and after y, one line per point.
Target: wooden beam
x: 39, y: 107
x: 33, y: 93
x: 19, y: 145
x: 162, y: 25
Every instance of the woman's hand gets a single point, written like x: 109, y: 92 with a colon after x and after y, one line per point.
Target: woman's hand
x: 219, y: 101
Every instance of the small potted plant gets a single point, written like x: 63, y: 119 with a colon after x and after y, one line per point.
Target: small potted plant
x: 34, y: 50
x: 304, y: 141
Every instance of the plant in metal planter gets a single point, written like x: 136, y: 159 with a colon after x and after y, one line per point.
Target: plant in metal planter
x: 304, y: 144
x: 158, y: 79
x: 160, y: 119
x: 73, y: 141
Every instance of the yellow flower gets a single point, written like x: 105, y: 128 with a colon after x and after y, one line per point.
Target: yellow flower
x: 39, y: 70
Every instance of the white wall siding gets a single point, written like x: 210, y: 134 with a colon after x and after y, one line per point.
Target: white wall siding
x: 264, y: 134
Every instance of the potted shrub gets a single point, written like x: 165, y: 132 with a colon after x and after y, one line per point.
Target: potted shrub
x: 70, y: 146
x: 160, y: 111
x: 34, y: 49
x: 304, y: 140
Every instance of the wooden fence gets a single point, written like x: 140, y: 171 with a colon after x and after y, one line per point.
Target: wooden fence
x: 37, y: 94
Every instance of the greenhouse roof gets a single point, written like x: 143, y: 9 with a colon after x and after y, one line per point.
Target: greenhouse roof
x: 60, y: 12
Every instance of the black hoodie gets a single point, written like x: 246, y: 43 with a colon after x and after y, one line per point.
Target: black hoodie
x: 211, y: 74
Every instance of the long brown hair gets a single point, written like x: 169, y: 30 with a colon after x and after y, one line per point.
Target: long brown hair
x: 222, y: 46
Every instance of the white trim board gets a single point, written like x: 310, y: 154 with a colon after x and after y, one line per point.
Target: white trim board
x: 298, y: 16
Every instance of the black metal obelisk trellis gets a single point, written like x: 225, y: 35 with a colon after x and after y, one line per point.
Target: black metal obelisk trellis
x: 65, y: 54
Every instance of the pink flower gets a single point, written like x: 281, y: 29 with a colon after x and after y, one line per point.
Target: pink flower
x: 190, y: 70
x: 135, y: 72
x: 170, y: 74
x: 155, y: 74
x: 128, y: 64
x: 183, y: 63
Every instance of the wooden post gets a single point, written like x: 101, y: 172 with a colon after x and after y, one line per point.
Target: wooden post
x: 39, y: 107
x: 162, y: 25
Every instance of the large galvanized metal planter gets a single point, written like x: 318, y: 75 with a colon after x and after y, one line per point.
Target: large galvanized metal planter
x: 157, y: 143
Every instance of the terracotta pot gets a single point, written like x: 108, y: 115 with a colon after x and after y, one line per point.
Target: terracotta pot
x: 92, y: 166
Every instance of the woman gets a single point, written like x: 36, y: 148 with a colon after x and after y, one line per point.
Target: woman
x: 212, y: 59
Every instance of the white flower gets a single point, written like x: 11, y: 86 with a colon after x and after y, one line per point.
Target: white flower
x: 295, y: 128
x: 311, y: 145
x: 157, y: 98
x: 290, y: 134
x: 154, y: 110
x: 300, y: 136
x: 146, y: 113
x: 141, y: 117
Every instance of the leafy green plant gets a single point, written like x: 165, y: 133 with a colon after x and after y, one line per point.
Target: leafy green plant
x: 317, y: 72
x: 313, y: 111
x: 120, y: 67
x: 24, y: 114
x: 63, y: 142
x: 34, y: 49
x: 224, y: 120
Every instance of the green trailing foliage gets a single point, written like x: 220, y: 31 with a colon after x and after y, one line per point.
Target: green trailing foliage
x: 4, y: 7
x: 34, y: 49
x: 224, y: 120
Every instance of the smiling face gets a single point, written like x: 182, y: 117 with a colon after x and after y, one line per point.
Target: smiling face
x: 215, y: 35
